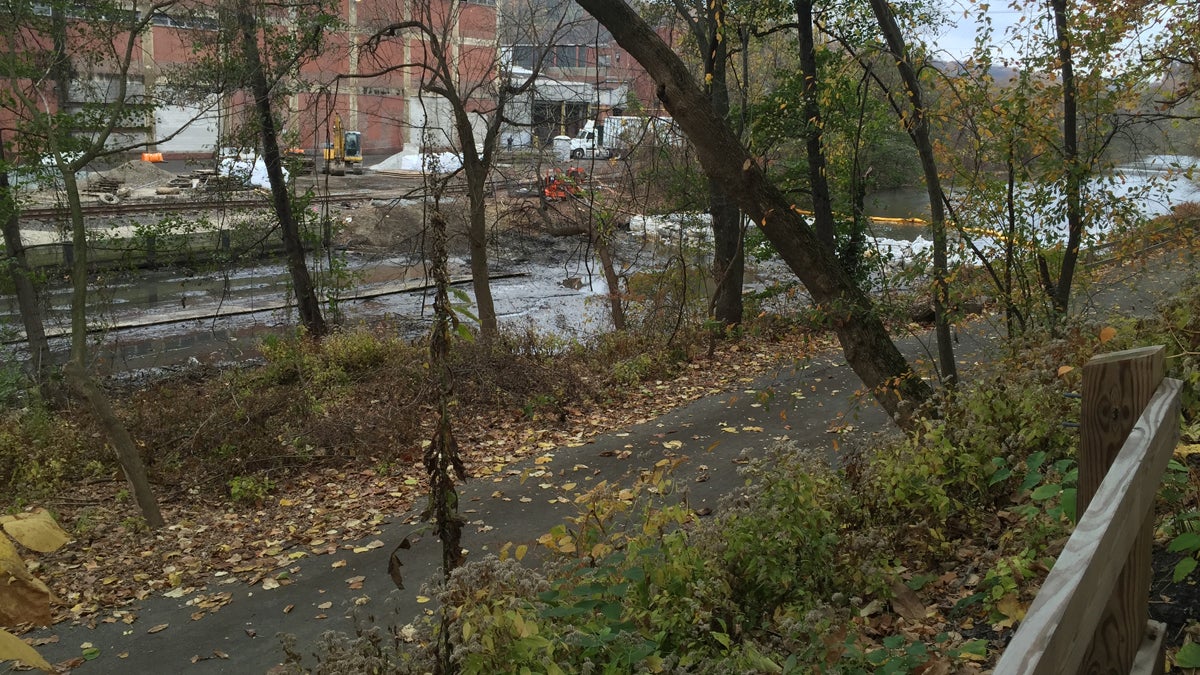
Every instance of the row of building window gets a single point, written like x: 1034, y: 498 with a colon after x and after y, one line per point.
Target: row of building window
x: 557, y: 56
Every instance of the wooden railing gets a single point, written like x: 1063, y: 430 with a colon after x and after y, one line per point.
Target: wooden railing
x: 1091, y: 613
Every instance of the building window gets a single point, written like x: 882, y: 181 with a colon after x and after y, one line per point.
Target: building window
x: 567, y: 56
x: 522, y: 55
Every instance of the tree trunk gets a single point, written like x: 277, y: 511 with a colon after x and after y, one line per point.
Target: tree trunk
x: 1061, y: 294
x: 817, y: 180
x: 729, y: 257
x: 865, y: 340
x: 917, y: 126
x: 40, y: 360
x: 729, y: 260
x: 77, y: 371
x: 306, y: 295
x: 602, y: 237
x: 477, y: 241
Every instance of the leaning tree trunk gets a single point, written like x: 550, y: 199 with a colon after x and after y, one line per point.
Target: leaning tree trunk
x: 306, y: 295
x: 40, y: 360
x: 864, y: 338
x: 80, y: 379
x: 917, y: 126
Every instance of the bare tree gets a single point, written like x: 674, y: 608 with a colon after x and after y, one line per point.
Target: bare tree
x: 41, y: 360
x: 478, y: 87
x: 70, y: 135
x: 255, y: 71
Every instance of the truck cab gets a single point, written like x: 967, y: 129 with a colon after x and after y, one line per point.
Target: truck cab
x: 590, y: 142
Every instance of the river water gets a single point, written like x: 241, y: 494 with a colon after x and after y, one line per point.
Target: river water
x: 164, y: 319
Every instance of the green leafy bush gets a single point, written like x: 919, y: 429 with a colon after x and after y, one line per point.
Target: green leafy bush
x: 250, y: 489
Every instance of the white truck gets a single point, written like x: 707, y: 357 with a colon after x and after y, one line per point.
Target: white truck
x: 611, y: 138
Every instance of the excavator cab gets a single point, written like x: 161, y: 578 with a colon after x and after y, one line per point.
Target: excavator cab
x: 354, y: 151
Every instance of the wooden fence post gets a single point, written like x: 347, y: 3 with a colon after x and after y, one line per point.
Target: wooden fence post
x: 1116, y: 388
x: 1090, y: 615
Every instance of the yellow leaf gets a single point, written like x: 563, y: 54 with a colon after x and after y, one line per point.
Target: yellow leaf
x: 1063, y: 370
x: 422, y: 599
x: 23, y: 598
x: 746, y: 165
x: 521, y: 551
x: 1011, y: 607
x: 1185, y: 451
x: 1107, y: 333
x: 12, y: 648
x: 672, y: 445
x: 35, y: 530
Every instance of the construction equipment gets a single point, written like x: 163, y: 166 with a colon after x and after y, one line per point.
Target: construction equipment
x: 344, y: 152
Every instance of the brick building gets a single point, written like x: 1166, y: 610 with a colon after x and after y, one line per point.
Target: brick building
x: 585, y: 75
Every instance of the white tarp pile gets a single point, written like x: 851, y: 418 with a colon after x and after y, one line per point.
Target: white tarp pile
x: 442, y: 162
x: 250, y: 169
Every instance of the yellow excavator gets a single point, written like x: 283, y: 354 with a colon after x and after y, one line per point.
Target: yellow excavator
x: 344, y: 152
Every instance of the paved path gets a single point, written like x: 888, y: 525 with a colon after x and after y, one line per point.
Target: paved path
x: 711, y: 432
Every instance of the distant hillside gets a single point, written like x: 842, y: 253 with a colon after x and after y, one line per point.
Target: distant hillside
x: 999, y: 74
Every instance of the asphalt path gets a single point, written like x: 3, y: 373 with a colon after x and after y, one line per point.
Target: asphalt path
x: 811, y: 401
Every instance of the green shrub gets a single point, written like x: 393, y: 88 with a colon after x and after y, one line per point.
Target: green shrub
x: 779, y: 539
x: 41, y: 452
x: 250, y: 489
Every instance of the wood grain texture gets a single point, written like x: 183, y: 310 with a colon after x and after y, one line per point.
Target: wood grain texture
x: 1058, y: 629
x: 1116, y: 388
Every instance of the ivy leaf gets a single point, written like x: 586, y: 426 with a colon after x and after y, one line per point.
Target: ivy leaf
x: 1183, y: 568
x: 1188, y: 541
x: 1046, y: 492
x: 1188, y: 656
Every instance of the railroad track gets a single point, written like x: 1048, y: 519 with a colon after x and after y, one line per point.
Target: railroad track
x: 200, y: 203
x: 211, y: 201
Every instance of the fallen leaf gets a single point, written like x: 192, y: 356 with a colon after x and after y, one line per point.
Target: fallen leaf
x: 906, y: 603
x: 13, y: 647
x: 325, y: 605
x: 159, y: 628
x: 35, y: 530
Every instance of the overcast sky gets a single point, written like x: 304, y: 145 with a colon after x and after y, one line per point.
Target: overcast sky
x: 958, y: 41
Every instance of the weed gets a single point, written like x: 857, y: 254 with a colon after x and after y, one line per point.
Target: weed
x: 250, y: 489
